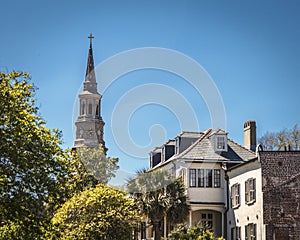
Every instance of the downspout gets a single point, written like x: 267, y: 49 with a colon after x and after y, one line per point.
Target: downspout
x: 227, y: 204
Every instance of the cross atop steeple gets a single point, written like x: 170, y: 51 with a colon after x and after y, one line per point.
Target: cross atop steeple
x: 91, y: 39
x: 90, y: 77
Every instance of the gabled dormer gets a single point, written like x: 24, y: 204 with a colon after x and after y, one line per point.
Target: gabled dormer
x: 168, y: 150
x: 184, y: 140
x: 155, y: 157
x: 219, y: 139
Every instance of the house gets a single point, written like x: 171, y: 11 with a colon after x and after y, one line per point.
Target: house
x: 245, y: 213
x: 242, y: 192
x: 201, y: 159
x: 265, y: 197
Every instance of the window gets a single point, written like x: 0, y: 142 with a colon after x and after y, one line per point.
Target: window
x: 220, y: 143
x: 250, y: 190
x: 200, y: 177
x: 250, y: 232
x: 217, y: 178
x: 97, y: 110
x: 182, y: 175
x: 192, y: 176
x: 236, y: 233
x: 235, y: 195
x: 208, y: 178
x: 205, y: 178
x: 82, y: 109
x: 90, y: 108
x: 207, y: 219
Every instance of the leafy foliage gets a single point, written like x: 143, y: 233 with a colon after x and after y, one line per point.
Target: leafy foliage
x: 97, y: 213
x: 156, y: 194
x: 90, y: 166
x: 33, y: 167
x: 194, y: 233
x: 12, y: 230
x: 282, y: 139
x: 179, y: 208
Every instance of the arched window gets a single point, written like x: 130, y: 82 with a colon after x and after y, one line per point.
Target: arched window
x: 82, y: 108
x: 97, y: 110
x: 90, y: 108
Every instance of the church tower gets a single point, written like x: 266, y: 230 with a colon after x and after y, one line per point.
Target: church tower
x: 89, y: 124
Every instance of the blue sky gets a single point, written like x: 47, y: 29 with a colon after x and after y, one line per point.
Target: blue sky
x: 250, y: 49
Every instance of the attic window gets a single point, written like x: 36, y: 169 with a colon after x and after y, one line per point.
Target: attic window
x: 220, y: 143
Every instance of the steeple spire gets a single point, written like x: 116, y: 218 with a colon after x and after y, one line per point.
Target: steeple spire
x: 90, y: 83
x: 89, y: 124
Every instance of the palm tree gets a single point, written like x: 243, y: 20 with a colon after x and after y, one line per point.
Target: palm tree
x: 156, y: 196
x: 179, y: 209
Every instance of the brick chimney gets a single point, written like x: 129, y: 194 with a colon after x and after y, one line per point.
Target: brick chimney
x: 250, y: 135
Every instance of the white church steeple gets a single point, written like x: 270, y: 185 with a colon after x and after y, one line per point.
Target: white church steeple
x: 89, y: 124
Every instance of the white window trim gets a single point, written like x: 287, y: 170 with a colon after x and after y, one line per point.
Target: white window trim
x: 235, y: 194
x: 206, y: 219
x: 251, y: 231
x: 217, y: 148
x: 250, y: 191
x: 205, y: 179
x: 236, y: 233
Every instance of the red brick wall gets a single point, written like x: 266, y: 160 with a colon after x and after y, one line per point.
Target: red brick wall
x: 281, y: 194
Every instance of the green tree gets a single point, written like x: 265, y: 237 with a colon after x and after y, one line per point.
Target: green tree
x: 286, y: 138
x: 33, y: 167
x: 182, y: 232
x: 90, y: 166
x: 179, y: 209
x: 97, y: 213
x: 157, y: 195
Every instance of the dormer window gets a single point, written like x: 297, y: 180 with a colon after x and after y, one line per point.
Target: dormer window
x: 155, y: 157
x: 220, y: 143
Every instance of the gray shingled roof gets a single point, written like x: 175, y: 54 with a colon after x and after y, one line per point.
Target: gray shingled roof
x: 203, y: 149
x: 190, y: 134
